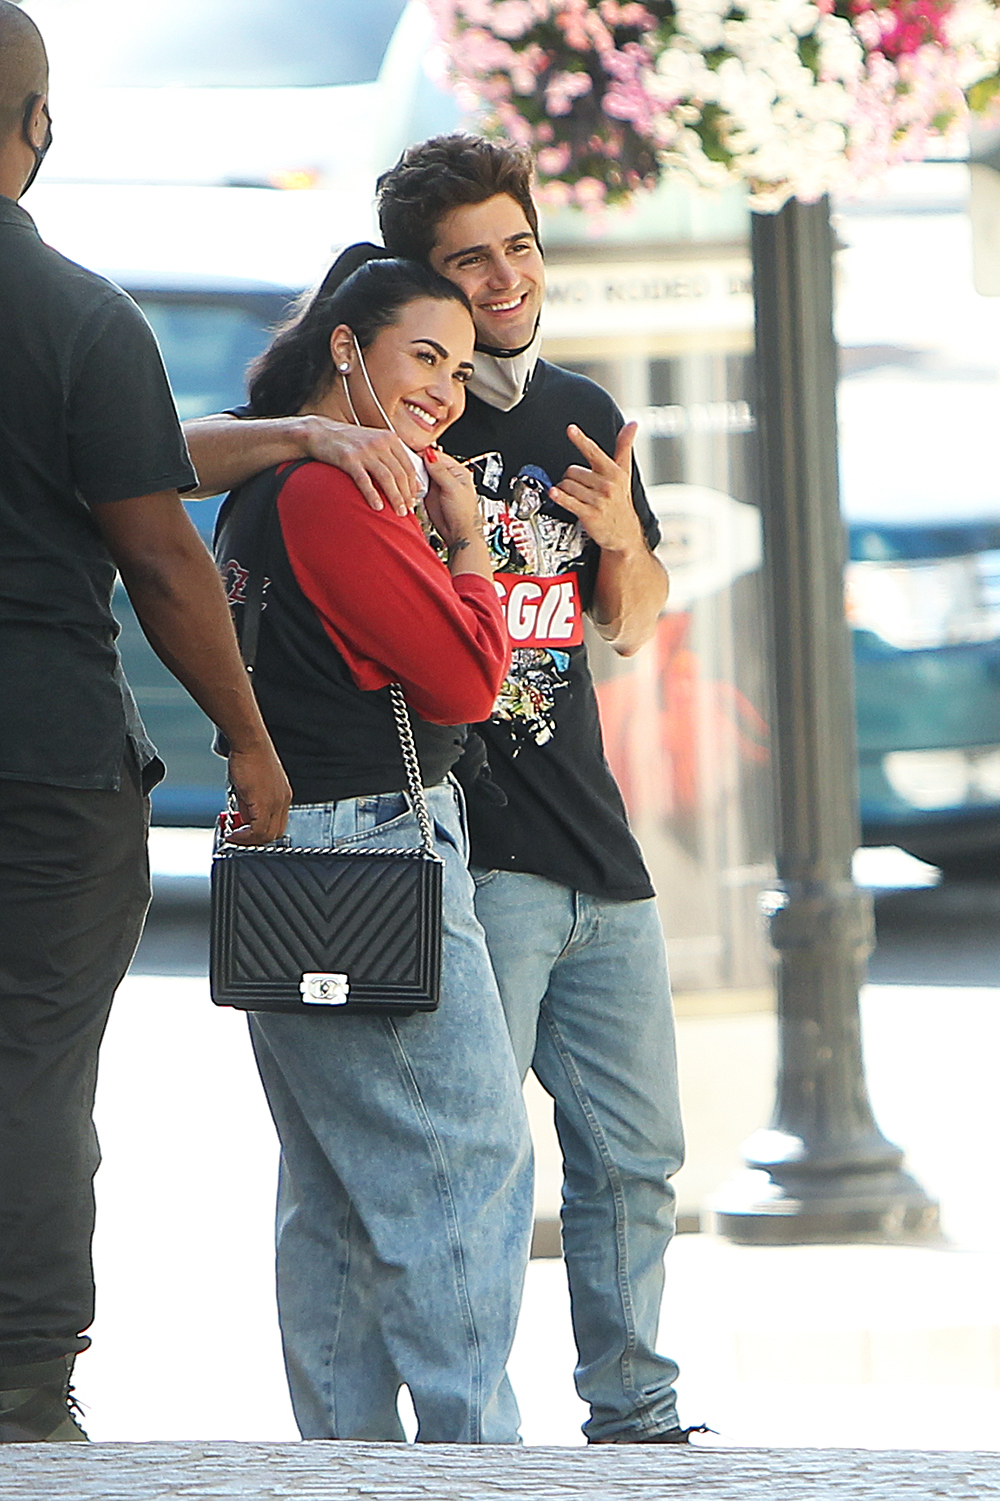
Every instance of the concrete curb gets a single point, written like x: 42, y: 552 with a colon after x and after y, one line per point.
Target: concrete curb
x: 388, y: 1472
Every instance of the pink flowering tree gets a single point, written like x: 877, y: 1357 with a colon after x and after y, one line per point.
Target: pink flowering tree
x: 794, y: 97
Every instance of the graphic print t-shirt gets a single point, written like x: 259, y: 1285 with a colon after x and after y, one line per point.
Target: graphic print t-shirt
x: 564, y: 817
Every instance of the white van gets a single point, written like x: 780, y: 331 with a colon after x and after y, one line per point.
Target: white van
x: 253, y: 93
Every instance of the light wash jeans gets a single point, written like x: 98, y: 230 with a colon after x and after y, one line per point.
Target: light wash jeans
x: 405, y: 1189
x: 585, y: 988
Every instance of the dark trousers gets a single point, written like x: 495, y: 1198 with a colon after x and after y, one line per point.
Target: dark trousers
x: 74, y: 888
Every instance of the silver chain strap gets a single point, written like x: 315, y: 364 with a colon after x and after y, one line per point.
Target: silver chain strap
x: 414, y: 785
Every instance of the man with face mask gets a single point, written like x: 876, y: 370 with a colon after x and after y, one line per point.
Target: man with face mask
x: 91, y: 460
x: 562, y: 891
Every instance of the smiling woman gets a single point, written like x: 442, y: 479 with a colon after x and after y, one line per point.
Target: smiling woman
x: 408, y: 377
x: 405, y: 1208
x: 317, y: 365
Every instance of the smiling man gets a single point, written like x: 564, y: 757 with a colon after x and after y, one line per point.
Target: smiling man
x: 562, y: 890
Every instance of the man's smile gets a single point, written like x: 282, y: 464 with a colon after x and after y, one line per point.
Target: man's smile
x: 505, y: 307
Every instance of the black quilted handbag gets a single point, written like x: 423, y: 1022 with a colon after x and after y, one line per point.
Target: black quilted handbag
x: 346, y: 930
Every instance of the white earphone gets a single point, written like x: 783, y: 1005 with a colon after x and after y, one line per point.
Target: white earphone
x: 344, y: 368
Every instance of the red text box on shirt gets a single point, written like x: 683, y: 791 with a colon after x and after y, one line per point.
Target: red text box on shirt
x: 542, y: 612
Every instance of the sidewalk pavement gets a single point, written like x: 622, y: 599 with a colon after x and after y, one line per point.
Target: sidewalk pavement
x: 887, y: 1347
x: 847, y: 1347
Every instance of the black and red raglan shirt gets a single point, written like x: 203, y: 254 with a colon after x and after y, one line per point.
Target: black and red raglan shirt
x: 355, y: 600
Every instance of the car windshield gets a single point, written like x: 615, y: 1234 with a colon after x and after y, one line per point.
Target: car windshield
x: 223, y: 43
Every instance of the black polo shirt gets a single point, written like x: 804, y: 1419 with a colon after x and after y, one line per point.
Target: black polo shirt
x: 86, y: 418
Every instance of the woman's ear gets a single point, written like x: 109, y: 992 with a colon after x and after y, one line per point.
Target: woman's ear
x: 342, y: 349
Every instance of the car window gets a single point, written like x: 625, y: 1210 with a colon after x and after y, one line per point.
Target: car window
x: 221, y: 43
x: 207, y: 339
x: 208, y: 342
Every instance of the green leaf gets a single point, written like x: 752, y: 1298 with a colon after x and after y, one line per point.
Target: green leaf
x: 982, y: 94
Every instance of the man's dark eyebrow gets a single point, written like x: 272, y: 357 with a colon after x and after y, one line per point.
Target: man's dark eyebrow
x: 456, y: 255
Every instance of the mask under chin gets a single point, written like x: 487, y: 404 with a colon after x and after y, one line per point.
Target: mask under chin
x: 500, y: 377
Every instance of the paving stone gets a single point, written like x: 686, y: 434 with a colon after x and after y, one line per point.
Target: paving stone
x: 387, y: 1472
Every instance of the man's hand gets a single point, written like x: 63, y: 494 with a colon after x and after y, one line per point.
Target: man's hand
x: 601, y: 496
x: 226, y: 451
x: 373, y: 458
x: 262, y: 794
x: 631, y: 585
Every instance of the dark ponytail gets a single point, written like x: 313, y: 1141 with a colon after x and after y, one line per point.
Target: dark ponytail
x: 366, y: 289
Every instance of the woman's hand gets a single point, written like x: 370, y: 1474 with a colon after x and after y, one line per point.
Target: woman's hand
x: 453, y: 507
x: 452, y: 502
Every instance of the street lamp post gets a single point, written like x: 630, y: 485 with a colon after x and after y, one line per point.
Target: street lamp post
x: 822, y: 1170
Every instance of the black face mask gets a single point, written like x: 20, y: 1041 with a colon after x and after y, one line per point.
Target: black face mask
x: 39, y: 151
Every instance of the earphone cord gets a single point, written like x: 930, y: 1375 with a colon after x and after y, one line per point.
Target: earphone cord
x: 371, y: 389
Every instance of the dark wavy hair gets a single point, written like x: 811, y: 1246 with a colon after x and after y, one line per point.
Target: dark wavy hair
x: 445, y: 173
x: 366, y: 288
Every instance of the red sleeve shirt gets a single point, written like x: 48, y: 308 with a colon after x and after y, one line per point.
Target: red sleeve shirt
x: 388, y: 604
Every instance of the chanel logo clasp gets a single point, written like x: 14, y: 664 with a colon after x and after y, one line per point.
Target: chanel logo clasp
x: 325, y: 990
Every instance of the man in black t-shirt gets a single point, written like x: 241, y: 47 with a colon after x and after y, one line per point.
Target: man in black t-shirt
x: 562, y: 890
x: 91, y: 460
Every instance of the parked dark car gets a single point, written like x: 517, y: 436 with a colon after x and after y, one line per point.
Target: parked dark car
x: 207, y: 341
x: 920, y: 485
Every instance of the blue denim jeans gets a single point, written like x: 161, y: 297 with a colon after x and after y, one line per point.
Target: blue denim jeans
x: 405, y: 1189
x: 585, y: 989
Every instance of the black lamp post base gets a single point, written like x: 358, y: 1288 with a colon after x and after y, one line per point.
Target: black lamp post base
x: 822, y: 1170
x: 758, y: 1210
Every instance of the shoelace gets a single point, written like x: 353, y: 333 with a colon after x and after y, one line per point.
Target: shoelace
x: 695, y: 1428
x: 73, y: 1403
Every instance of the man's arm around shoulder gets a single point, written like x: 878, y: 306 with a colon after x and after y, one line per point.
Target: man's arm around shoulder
x: 228, y: 450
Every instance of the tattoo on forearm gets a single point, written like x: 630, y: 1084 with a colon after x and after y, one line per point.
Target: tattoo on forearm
x: 456, y: 547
